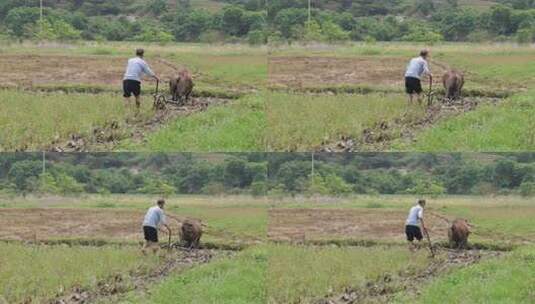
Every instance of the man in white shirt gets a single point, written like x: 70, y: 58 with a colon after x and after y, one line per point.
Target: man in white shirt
x: 418, y: 67
x: 412, y: 225
x: 151, y: 223
x: 136, y: 68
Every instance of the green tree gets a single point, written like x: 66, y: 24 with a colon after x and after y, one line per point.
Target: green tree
x: 67, y: 184
x: 22, y: 172
x: 157, y: 186
x: 313, y: 31
x: 527, y: 189
x: 47, y: 184
x: 19, y: 19
x: 157, y: 7
x: 333, y: 32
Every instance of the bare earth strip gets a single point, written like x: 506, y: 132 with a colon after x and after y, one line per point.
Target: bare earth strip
x: 343, y: 224
x: 42, y: 224
x: 299, y: 72
x: 32, y: 70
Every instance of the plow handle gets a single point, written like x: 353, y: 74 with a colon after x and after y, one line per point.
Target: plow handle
x: 169, y: 241
x: 430, y: 94
x: 428, y: 239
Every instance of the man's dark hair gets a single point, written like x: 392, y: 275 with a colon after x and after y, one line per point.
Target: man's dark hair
x: 161, y: 202
x: 424, y: 53
x: 140, y: 52
x: 421, y: 202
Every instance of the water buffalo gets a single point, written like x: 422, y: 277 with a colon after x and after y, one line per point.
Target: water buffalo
x: 181, y: 86
x: 458, y: 233
x: 191, y: 233
x: 453, y: 84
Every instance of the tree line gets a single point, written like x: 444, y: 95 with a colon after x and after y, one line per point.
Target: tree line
x: 260, y: 21
x: 399, y: 20
x: 124, y: 20
x: 269, y: 174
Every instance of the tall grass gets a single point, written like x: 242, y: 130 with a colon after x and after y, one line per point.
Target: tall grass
x: 239, y: 126
x: 37, y: 273
x: 32, y: 121
x: 500, y: 280
x: 300, y: 274
x: 507, y: 127
x: 240, y: 280
x: 303, y: 122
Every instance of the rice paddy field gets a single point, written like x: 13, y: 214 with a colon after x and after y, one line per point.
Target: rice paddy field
x: 497, y: 99
x: 265, y: 250
x: 289, y: 98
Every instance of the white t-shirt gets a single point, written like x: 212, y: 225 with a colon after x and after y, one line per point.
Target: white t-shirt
x: 417, y: 68
x: 136, y: 68
x: 416, y: 213
x: 154, y: 217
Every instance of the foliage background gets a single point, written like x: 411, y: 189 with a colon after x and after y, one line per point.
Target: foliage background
x: 269, y: 173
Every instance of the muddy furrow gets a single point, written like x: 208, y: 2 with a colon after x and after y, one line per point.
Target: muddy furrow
x: 115, y: 287
x: 381, y: 136
x: 109, y: 136
x: 386, y: 288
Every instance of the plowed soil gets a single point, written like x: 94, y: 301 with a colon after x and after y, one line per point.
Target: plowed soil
x: 42, y: 224
x: 307, y: 72
x: 298, y: 225
x: 31, y: 70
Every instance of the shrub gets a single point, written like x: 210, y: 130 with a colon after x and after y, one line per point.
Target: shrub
x: 256, y: 37
x: 214, y: 188
x: 527, y: 189
x: 258, y: 188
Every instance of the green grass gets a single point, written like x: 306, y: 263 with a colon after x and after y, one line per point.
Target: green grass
x: 235, y: 127
x: 281, y: 273
x: 494, y: 70
x: 238, y: 280
x: 301, y: 274
x: 303, y: 122
x: 501, y: 280
x: 507, y: 127
x: 33, y: 121
x: 37, y: 273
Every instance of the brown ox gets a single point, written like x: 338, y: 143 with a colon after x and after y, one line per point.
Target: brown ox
x: 182, y: 86
x: 191, y: 233
x: 453, y: 82
x: 458, y: 233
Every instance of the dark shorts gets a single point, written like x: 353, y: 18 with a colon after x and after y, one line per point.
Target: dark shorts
x: 413, y: 232
x: 151, y: 234
x: 413, y: 85
x: 131, y: 87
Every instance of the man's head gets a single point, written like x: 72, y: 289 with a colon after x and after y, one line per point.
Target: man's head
x: 140, y: 52
x: 161, y: 203
x: 424, y: 53
x: 421, y: 202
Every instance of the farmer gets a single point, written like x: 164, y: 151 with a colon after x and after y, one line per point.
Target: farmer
x: 153, y: 219
x: 132, y: 77
x: 417, y: 68
x: 412, y: 225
